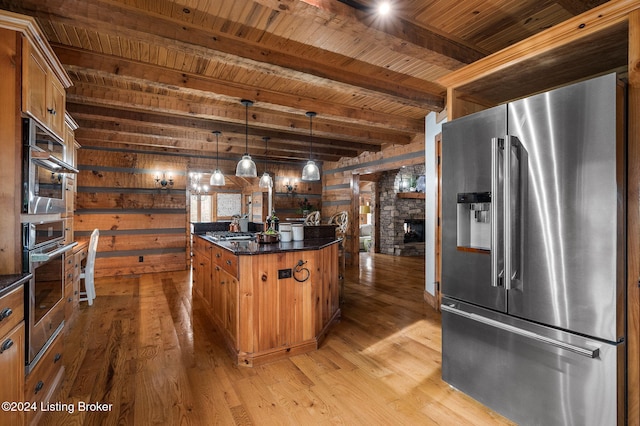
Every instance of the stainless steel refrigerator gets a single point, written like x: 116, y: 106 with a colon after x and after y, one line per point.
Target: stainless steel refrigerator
x: 533, y: 256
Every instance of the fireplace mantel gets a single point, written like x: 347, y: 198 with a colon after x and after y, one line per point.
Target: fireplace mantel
x: 411, y: 195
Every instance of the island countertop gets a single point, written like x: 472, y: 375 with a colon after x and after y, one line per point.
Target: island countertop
x: 247, y: 247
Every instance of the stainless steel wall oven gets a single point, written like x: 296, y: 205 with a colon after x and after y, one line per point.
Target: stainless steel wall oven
x: 43, y: 256
x: 43, y: 171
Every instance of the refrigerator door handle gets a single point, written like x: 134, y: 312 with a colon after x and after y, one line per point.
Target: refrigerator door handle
x: 587, y: 352
x: 513, y: 158
x: 497, y: 228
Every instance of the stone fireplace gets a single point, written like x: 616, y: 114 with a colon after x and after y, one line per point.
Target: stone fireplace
x: 402, y: 220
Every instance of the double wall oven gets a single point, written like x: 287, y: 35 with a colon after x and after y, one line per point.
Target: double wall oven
x: 43, y: 236
x: 43, y: 256
x: 44, y: 170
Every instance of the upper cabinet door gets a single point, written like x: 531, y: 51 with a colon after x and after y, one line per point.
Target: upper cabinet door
x: 34, y: 85
x: 43, y: 95
x: 56, y: 97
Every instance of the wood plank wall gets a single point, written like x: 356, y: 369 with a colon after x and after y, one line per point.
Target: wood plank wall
x: 341, y: 181
x: 144, y: 228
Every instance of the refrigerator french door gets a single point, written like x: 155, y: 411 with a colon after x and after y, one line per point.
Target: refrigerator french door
x: 533, y: 257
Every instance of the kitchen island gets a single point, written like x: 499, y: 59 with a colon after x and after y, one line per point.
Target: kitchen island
x: 270, y: 301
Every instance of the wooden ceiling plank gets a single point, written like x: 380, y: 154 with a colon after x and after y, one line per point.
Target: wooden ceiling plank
x: 402, y: 29
x: 163, y: 125
x: 422, y: 93
x: 294, y: 125
x: 176, y: 79
x: 92, y: 137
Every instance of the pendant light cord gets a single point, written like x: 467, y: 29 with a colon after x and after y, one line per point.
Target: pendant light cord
x: 266, y: 151
x: 217, y: 150
x: 310, y: 135
x: 310, y: 114
x: 246, y: 127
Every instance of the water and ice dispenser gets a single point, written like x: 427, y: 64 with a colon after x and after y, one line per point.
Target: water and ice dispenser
x: 474, y: 221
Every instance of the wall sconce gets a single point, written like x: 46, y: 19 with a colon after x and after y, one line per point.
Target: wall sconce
x: 163, y: 180
x: 290, y: 187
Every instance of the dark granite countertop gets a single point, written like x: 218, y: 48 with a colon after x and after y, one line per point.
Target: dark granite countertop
x: 9, y: 282
x: 245, y: 247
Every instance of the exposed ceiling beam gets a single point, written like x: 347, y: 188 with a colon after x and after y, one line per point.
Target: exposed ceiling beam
x: 134, y: 24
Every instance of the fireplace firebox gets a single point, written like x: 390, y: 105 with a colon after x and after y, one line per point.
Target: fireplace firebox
x: 414, y: 231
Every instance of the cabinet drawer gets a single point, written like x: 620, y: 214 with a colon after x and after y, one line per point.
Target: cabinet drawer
x: 201, y: 246
x: 11, y: 310
x: 68, y: 263
x: 229, y: 262
x: 42, y: 381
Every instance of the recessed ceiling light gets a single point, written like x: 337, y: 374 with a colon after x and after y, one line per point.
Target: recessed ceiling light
x: 384, y: 8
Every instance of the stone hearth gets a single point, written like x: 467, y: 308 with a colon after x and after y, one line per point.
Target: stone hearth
x: 393, y: 213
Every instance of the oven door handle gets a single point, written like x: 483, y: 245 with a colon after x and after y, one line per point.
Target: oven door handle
x: 45, y: 257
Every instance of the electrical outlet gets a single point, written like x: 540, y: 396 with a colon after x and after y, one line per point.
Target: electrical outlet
x: 284, y: 273
x: 140, y: 258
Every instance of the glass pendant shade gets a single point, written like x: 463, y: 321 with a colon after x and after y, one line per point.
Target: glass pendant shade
x: 217, y: 178
x: 310, y: 171
x: 246, y: 167
x: 266, y: 181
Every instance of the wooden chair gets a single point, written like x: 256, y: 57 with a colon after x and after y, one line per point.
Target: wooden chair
x: 341, y: 219
x: 87, y: 272
x: 312, y: 218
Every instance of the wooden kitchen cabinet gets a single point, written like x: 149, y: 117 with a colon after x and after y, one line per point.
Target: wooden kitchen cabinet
x: 264, y: 316
x: 43, y: 94
x: 71, y: 151
x: 230, y: 306
x: 73, y: 266
x: 12, y: 364
x: 12, y: 347
x: 201, y: 265
x: 43, y: 381
x: 218, y: 294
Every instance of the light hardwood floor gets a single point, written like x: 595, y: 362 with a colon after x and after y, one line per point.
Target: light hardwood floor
x: 146, y: 348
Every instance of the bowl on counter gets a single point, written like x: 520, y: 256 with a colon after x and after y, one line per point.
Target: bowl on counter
x: 263, y: 238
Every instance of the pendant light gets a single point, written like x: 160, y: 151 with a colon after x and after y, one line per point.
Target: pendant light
x: 217, y: 178
x: 246, y: 167
x: 265, y: 180
x: 310, y: 171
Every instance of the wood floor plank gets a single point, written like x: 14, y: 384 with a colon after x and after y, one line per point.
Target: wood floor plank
x: 149, y: 349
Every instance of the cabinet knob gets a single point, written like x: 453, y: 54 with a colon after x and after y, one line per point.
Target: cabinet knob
x: 38, y: 387
x: 6, y: 312
x: 51, y: 111
x: 218, y: 255
x: 57, y: 357
x: 6, y: 345
x: 229, y: 262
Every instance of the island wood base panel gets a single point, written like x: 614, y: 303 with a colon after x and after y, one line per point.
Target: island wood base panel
x: 267, y: 356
